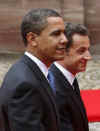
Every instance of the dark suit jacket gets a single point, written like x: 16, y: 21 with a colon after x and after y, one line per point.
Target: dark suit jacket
x: 71, y: 108
x: 27, y: 100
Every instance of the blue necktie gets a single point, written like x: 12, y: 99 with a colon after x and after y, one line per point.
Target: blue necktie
x: 51, y: 81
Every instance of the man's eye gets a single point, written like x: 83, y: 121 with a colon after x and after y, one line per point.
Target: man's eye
x: 81, y: 51
x: 56, y: 33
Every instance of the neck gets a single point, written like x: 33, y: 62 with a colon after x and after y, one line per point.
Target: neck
x: 43, y: 60
x: 67, y: 68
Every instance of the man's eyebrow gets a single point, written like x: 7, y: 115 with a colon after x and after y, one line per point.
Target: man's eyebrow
x: 58, y: 31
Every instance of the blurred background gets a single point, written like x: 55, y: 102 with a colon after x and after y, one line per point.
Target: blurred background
x: 86, y: 12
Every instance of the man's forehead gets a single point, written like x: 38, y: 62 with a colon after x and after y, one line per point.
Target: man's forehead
x: 80, y: 41
x: 53, y: 20
x: 78, y: 37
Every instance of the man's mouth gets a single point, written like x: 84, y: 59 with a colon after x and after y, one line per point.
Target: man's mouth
x: 83, y: 63
x: 61, y: 50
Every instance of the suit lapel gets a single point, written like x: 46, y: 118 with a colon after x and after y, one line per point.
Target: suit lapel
x: 43, y: 81
x: 67, y: 90
x: 79, y: 98
x: 60, y: 78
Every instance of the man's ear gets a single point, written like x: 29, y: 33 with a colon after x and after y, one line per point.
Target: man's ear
x: 31, y: 38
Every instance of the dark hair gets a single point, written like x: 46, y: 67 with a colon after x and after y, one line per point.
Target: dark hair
x: 71, y: 29
x: 35, y: 21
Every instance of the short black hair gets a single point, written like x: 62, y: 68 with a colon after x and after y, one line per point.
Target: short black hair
x: 71, y: 29
x: 36, y: 20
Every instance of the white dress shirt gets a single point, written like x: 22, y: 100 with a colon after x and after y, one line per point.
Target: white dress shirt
x: 39, y: 63
x: 68, y: 75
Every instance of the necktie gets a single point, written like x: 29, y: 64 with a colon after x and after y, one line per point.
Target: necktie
x: 51, y: 81
x: 76, y: 86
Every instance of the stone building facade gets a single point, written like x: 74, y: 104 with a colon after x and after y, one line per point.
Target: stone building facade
x: 78, y: 11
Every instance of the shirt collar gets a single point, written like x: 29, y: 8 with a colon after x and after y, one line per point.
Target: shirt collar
x: 70, y: 77
x: 39, y: 63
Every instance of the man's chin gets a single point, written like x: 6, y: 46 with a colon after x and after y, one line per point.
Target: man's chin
x: 83, y: 70
x: 59, y: 57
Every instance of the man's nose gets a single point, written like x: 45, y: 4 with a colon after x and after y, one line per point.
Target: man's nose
x: 64, y: 39
x: 88, y: 55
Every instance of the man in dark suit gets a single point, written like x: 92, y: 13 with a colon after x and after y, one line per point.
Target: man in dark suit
x: 63, y: 79
x: 27, y: 99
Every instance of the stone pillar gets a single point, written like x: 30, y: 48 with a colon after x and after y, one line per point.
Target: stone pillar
x: 11, y: 13
x: 73, y: 11
x: 53, y: 4
x: 92, y: 19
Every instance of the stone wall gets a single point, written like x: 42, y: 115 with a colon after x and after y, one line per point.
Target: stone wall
x: 77, y: 11
x: 73, y: 11
x: 92, y: 19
